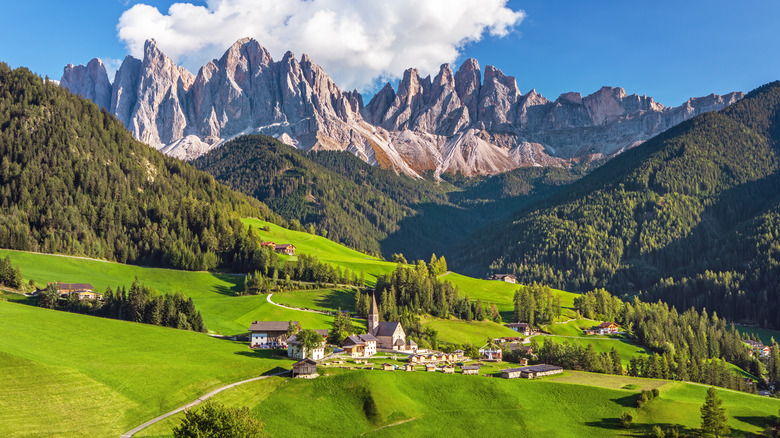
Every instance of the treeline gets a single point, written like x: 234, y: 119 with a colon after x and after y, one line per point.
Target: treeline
x: 272, y: 273
x: 684, y: 340
x: 73, y: 180
x: 10, y: 276
x: 706, y: 371
x: 576, y: 357
x: 419, y: 290
x: 691, y: 217
x: 138, y: 304
x: 536, y: 304
x: 333, y: 194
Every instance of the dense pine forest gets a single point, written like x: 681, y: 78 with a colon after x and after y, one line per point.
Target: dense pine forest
x: 354, y: 204
x: 690, y: 217
x: 370, y: 208
x: 73, y: 180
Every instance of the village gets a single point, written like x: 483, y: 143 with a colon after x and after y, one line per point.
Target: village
x: 385, y: 347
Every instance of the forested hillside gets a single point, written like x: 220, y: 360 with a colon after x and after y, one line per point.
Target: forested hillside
x: 73, y: 180
x: 371, y: 208
x: 358, y: 207
x: 691, y: 217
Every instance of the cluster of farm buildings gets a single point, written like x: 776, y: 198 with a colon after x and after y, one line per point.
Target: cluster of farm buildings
x: 284, y: 248
x: 387, y: 336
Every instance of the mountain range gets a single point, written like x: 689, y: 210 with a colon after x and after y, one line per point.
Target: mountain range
x: 456, y: 122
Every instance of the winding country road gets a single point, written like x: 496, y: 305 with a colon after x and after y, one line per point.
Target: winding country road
x: 198, y: 401
x: 268, y: 298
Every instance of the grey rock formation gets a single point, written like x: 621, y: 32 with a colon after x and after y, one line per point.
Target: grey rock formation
x: 90, y: 82
x: 455, y: 122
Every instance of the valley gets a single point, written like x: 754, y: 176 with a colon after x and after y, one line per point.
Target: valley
x: 453, y: 256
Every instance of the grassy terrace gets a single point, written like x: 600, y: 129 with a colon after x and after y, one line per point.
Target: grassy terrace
x: 497, y: 292
x: 389, y: 404
x: 212, y: 292
x: 572, y: 332
x: 324, y: 249
x: 66, y: 374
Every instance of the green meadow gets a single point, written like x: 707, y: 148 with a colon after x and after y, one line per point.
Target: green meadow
x: 325, y: 250
x: 212, y: 293
x: 572, y: 328
x: 467, y: 332
x: 390, y: 404
x: 490, y: 292
x: 67, y: 374
x: 329, y: 300
x: 624, y: 347
x: 765, y: 335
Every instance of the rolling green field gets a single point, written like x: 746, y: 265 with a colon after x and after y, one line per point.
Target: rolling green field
x: 212, y: 293
x: 324, y: 249
x: 390, y: 404
x: 496, y: 292
x: 572, y: 328
x: 624, y: 347
x: 66, y: 374
x: 471, y: 332
x: 329, y: 300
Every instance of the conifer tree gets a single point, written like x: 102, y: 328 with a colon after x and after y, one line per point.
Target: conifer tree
x: 713, y: 415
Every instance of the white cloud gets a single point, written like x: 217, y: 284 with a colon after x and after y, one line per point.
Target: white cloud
x: 358, y: 42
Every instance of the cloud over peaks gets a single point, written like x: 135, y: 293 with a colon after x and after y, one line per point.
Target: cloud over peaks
x: 358, y: 42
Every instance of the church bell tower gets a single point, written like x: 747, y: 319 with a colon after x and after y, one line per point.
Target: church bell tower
x: 373, y: 315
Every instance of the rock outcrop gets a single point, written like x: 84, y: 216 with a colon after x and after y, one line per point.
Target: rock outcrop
x: 455, y: 122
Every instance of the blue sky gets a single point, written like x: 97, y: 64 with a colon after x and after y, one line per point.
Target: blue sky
x: 668, y: 50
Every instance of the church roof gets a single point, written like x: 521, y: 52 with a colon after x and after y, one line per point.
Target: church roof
x: 374, y: 308
x: 386, y: 328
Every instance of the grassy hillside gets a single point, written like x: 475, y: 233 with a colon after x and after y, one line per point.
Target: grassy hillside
x: 416, y: 404
x: 497, y: 292
x: 73, y: 375
x: 324, y: 249
x: 358, y: 206
x: 212, y: 293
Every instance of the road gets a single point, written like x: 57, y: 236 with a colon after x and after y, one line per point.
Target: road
x: 194, y: 403
x: 268, y: 298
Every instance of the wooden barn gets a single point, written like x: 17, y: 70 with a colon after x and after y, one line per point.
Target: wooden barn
x: 305, y: 369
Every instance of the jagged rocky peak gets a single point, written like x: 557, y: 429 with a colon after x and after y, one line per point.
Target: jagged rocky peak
x: 158, y: 65
x: 90, y: 82
x: 456, y: 122
x: 468, y: 81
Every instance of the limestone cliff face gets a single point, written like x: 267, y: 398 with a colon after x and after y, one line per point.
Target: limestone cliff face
x: 90, y: 81
x: 455, y: 122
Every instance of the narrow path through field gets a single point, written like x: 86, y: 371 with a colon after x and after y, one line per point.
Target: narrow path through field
x: 391, y: 425
x: 587, y: 337
x: 198, y: 401
x: 268, y: 298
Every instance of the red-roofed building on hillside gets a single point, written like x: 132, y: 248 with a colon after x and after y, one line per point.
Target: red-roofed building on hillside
x: 607, y: 328
x: 85, y: 291
x: 286, y: 248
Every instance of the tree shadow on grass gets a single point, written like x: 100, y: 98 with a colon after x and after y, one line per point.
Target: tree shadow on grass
x: 606, y: 423
x: 628, y: 401
x: 341, y: 298
x: 757, y: 421
x: 639, y: 429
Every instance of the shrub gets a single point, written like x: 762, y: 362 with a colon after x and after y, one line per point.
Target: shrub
x: 214, y: 420
x: 626, y: 419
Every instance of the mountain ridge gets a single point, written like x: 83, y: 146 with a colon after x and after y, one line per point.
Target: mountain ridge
x: 455, y: 122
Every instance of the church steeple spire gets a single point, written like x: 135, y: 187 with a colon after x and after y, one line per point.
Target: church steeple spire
x: 373, y: 315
